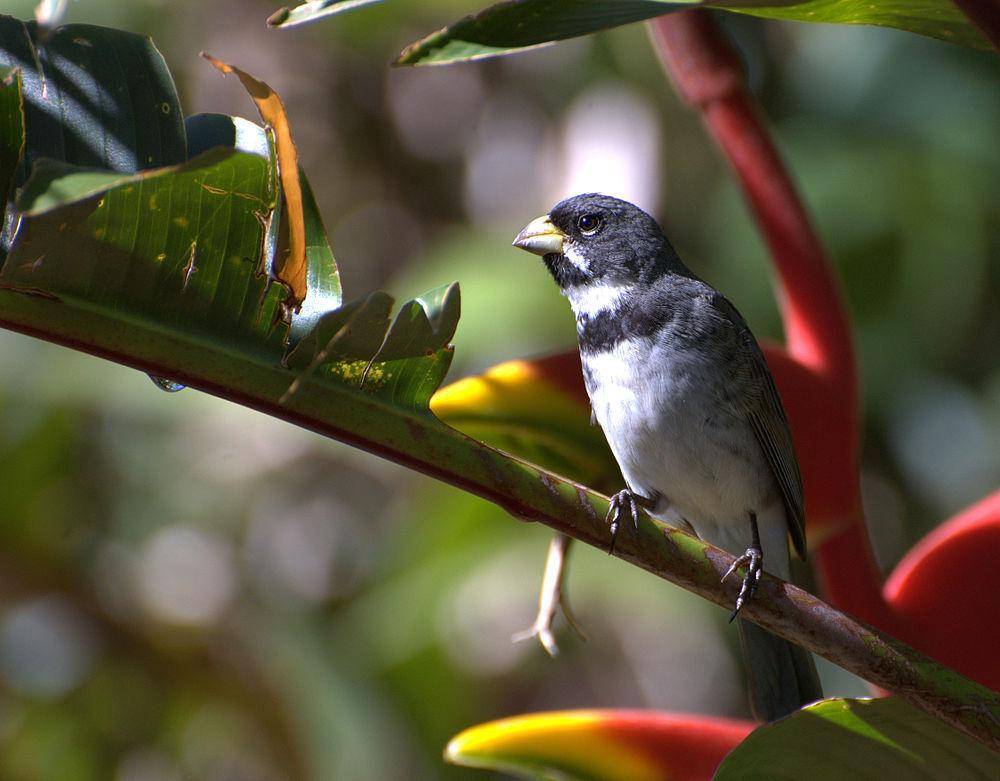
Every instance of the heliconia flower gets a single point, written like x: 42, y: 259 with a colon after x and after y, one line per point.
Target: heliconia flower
x: 946, y: 592
x: 601, y: 745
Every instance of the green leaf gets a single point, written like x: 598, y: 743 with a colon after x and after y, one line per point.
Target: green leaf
x: 189, y: 249
x: 403, y: 365
x: 306, y: 13
x: 414, y: 358
x: 179, y: 245
x: 94, y: 97
x: 939, y: 19
x: 352, y: 333
x: 519, y: 24
x: 859, y: 739
x: 319, y: 283
x: 322, y: 277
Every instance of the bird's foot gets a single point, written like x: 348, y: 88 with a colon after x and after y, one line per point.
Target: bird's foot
x: 754, y: 559
x: 623, y: 504
x: 551, y: 598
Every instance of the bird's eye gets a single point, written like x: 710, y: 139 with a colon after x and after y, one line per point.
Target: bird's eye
x: 589, y: 224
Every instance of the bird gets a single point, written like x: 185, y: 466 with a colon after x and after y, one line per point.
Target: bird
x: 679, y: 385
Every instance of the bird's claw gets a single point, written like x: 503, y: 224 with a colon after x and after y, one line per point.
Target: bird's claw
x: 542, y: 628
x: 754, y: 559
x: 623, y: 501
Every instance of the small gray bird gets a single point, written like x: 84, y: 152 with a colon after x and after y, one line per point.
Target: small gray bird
x: 680, y: 388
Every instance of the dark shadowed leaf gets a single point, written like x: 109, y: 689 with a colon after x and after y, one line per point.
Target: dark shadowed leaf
x: 859, y: 739
x: 11, y: 144
x: 94, y: 97
x: 518, y: 24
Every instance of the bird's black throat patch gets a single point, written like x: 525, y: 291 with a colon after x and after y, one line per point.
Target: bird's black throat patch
x: 604, y: 330
x: 565, y: 273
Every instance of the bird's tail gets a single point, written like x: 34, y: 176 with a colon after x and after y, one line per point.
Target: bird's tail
x: 781, y: 675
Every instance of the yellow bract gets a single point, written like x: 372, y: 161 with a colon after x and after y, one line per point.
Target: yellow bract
x: 574, y: 744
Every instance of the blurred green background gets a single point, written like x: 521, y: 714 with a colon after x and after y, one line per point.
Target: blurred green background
x: 190, y: 590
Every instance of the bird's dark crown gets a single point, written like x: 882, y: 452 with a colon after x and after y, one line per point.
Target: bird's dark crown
x: 613, y: 242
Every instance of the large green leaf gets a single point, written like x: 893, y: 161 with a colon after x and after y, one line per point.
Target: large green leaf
x: 518, y: 24
x: 206, y: 131
x: 859, y: 739
x: 189, y: 250
x: 179, y: 245
x: 180, y: 249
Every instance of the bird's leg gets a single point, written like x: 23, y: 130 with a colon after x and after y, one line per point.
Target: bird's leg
x: 754, y: 558
x: 551, y: 597
x: 625, y: 503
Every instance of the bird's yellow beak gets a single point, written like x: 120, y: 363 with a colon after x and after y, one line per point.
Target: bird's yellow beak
x: 541, y: 237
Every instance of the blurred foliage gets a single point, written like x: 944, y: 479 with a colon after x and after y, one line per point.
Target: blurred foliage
x: 192, y: 591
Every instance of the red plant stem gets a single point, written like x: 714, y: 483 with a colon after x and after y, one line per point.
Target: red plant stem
x: 708, y: 74
x: 985, y: 15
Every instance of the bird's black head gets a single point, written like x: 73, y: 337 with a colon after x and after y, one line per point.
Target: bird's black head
x: 593, y: 238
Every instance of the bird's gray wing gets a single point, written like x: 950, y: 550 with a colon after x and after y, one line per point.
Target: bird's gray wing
x: 761, y: 406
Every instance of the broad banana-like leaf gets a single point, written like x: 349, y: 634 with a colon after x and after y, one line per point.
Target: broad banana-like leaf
x: 862, y: 739
x: 518, y: 24
x: 176, y: 268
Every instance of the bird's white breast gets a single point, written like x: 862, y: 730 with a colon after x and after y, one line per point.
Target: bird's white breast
x: 673, y: 441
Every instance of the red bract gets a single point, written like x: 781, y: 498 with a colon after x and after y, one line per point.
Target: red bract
x: 946, y: 592
x: 602, y: 745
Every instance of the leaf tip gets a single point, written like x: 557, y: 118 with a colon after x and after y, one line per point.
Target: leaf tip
x: 418, y: 51
x: 279, y: 17
x: 216, y: 62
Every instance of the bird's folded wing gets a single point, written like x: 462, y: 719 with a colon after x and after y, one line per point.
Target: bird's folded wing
x: 761, y: 406
x: 771, y: 427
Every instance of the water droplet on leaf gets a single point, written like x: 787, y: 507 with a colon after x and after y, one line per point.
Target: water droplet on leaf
x: 166, y: 385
